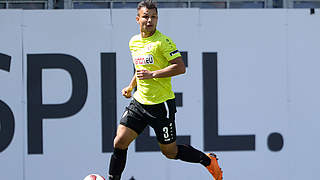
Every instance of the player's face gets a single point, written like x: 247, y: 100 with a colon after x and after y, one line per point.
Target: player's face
x: 147, y: 19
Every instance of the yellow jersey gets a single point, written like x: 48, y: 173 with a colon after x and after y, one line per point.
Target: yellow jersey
x: 153, y: 53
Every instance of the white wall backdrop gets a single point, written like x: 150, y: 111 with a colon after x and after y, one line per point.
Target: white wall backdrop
x: 267, y: 83
x: 252, y: 85
x: 303, y: 96
x: 69, y: 143
x: 11, y: 93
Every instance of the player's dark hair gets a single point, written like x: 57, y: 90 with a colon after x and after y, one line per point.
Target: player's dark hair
x: 149, y: 4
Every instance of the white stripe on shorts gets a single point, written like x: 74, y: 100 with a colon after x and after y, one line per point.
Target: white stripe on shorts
x: 167, y: 108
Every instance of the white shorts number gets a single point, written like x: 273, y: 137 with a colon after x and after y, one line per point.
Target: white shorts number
x: 166, y: 132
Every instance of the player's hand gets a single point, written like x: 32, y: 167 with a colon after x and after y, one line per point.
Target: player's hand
x: 144, y: 74
x: 126, y: 92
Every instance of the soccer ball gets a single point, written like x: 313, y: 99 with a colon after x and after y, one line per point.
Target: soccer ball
x: 94, y: 177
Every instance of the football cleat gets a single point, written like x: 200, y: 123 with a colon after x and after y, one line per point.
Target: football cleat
x: 214, y: 168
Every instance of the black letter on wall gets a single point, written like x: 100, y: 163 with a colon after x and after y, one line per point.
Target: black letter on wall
x: 37, y: 111
x: 5, y: 62
x: 212, y: 141
x: 109, y: 100
x: 6, y: 115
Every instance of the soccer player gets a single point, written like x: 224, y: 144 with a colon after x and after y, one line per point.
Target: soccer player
x: 156, y: 60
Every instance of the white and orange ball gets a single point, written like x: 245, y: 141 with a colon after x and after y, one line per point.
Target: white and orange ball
x: 94, y: 177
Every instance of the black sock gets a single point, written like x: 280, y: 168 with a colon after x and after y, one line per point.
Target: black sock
x: 189, y: 154
x: 115, y: 177
x: 117, y: 163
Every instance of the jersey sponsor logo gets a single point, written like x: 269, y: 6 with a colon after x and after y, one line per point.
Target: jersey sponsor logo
x: 143, y: 59
x: 174, y: 52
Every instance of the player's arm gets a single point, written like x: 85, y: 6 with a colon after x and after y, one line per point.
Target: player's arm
x: 126, y: 92
x: 177, y: 67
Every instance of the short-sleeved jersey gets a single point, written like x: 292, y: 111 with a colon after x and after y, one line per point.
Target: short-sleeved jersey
x: 153, y: 53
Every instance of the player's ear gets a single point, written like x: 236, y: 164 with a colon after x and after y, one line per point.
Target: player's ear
x: 137, y: 19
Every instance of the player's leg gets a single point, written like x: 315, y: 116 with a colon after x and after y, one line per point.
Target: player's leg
x: 169, y: 148
x: 189, y: 154
x: 118, y: 159
x: 165, y: 130
x: 124, y: 137
x: 131, y: 125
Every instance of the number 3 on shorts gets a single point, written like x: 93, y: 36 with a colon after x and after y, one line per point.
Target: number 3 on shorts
x: 166, y: 132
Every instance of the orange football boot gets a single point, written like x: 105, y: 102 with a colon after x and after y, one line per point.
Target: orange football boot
x: 214, y: 168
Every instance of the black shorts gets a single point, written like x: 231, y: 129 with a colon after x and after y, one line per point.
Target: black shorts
x: 161, y: 117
